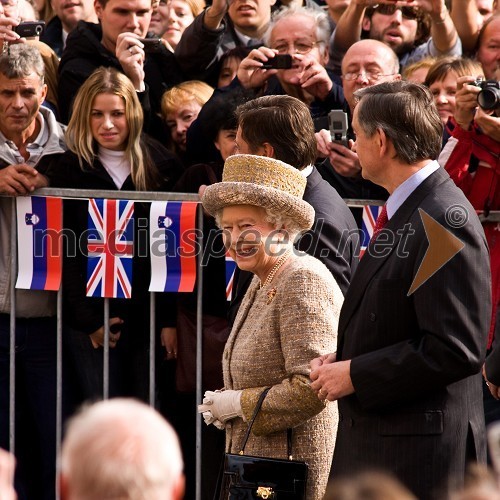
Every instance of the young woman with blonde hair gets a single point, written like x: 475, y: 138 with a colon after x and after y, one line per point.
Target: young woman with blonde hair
x: 107, y: 151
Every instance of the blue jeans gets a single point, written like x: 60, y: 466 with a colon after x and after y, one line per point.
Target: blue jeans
x: 35, y: 443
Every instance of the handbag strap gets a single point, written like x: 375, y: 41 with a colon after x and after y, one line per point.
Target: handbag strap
x: 252, y: 420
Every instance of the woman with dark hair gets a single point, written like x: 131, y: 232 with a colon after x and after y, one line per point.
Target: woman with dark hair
x: 442, y: 79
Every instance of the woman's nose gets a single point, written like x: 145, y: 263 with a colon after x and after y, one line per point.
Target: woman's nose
x: 441, y: 98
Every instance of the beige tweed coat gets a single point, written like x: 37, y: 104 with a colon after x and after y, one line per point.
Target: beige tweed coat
x: 277, y: 331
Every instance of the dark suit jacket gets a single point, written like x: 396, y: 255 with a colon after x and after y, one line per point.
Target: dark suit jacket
x: 417, y: 408
x: 334, y: 238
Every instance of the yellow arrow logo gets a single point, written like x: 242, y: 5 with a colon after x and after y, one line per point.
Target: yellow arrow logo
x: 443, y: 246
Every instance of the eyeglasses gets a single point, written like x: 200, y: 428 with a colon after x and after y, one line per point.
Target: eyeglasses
x: 372, y: 76
x: 389, y: 9
x: 298, y: 47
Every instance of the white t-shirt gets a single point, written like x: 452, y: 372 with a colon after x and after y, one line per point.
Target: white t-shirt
x: 115, y: 163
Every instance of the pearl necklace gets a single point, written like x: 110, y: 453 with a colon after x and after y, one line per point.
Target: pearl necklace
x: 274, y: 269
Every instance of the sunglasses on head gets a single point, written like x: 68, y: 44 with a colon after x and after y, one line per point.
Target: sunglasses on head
x: 389, y: 9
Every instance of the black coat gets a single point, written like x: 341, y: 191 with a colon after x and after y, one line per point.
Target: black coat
x: 53, y: 36
x: 84, y: 53
x: 416, y: 358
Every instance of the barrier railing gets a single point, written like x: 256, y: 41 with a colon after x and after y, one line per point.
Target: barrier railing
x: 493, y: 216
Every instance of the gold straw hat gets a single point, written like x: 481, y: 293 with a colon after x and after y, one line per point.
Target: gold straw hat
x: 262, y: 182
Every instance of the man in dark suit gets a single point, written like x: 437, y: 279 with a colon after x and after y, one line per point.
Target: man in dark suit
x: 412, y: 330
x: 281, y: 127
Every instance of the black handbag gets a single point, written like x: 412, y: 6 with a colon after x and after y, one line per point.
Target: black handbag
x: 246, y: 477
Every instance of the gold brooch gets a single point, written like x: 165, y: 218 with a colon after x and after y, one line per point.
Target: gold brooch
x: 270, y: 295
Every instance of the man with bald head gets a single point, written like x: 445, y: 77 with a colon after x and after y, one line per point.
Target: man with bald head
x: 121, y: 448
x: 366, y: 63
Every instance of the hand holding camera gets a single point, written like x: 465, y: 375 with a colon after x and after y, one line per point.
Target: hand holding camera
x: 466, y: 101
x: 338, y: 125
x: 131, y: 54
x: 259, y: 66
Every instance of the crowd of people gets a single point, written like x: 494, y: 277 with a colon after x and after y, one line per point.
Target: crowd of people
x: 385, y: 364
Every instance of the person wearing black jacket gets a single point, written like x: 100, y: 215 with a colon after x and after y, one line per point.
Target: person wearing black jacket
x: 67, y: 16
x: 280, y: 127
x: 108, y: 116
x: 115, y: 43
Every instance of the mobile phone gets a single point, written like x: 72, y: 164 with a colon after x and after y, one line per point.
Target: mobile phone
x: 151, y: 45
x: 30, y: 28
x: 338, y: 124
x: 279, y: 61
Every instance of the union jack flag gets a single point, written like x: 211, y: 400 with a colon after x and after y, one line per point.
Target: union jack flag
x: 370, y: 214
x: 230, y: 270
x: 110, y: 248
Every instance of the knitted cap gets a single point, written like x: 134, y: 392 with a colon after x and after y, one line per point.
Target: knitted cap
x: 262, y: 182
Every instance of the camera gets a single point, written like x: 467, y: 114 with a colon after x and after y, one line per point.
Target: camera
x: 30, y: 28
x: 489, y: 96
x: 279, y: 61
x: 338, y: 125
x: 151, y: 45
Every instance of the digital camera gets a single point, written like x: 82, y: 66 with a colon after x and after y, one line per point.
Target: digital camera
x: 489, y: 96
x: 279, y: 61
x: 30, y: 29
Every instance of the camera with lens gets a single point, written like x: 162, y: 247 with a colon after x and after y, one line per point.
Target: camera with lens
x: 489, y: 96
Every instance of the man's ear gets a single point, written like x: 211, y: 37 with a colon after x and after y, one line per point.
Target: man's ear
x: 268, y: 150
x: 382, y: 142
x: 63, y: 487
x: 43, y: 93
x: 178, y: 493
x: 366, y: 24
x: 325, y: 56
x: 98, y: 8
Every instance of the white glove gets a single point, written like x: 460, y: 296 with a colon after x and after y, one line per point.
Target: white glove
x: 210, y: 419
x: 221, y: 405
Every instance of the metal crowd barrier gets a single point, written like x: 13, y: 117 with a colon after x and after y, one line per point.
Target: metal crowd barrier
x: 143, y: 196
x: 136, y: 196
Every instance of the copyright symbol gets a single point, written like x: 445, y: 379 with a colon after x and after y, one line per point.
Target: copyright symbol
x: 456, y: 216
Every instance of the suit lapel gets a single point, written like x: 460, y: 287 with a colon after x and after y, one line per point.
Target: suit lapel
x: 370, y: 263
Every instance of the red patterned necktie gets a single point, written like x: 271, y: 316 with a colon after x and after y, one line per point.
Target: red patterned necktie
x: 381, y: 221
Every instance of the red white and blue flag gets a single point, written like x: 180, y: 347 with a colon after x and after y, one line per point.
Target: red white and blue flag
x: 173, y: 246
x: 39, y: 243
x: 370, y: 214
x: 110, y: 248
x: 230, y: 270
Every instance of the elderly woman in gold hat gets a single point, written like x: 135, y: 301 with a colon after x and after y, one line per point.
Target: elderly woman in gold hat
x: 288, y: 317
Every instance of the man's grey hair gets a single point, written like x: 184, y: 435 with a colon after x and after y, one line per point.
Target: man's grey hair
x: 21, y: 60
x: 320, y: 19
x: 408, y: 116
